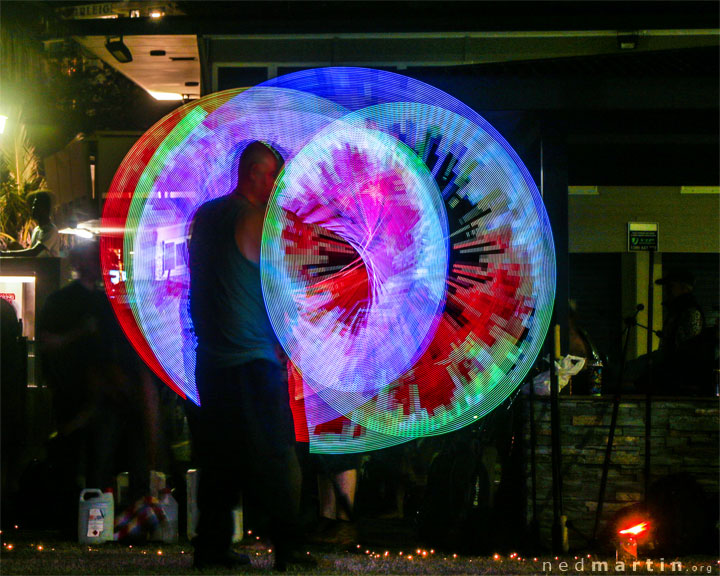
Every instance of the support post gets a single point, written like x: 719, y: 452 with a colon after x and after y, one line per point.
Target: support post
x: 554, y: 189
x: 648, y: 396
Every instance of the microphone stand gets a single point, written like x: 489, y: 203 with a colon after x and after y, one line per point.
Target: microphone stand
x: 630, y: 321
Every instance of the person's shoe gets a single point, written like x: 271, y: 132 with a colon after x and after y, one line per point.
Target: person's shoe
x: 228, y: 559
x: 294, y: 558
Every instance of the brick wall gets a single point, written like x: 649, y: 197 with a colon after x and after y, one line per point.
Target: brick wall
x: 684, y: 439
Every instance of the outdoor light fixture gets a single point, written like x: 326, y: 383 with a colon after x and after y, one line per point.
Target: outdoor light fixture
x: 3, y: 119
x: 77, y: 232
x: 156, y: 14
x: 118, y: 49
x: 165, y: 95
x: 627, y: 40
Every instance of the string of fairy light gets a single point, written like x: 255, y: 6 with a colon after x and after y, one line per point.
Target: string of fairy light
x: 383, y: 559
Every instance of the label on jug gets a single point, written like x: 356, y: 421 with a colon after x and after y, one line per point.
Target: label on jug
x: 96, y: 522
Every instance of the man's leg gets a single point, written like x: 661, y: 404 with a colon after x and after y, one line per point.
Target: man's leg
x: 215, y: 427
x: 276, y: 471
x: 218, y: 493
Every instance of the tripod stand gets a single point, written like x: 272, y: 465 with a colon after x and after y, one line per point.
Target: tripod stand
x: 630, y: 322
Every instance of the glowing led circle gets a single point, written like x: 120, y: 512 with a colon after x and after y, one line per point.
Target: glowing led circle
x: 473, y: 324
x: 195, y: 163
x: 501, y: 272
x: 354, y: 261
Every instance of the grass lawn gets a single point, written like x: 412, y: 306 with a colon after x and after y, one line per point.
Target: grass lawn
x: 24, y: 553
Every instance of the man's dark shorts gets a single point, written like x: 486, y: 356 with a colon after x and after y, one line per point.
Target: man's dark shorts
x: 244, y: 418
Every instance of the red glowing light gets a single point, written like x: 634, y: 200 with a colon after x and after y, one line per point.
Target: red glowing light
x: 635, y: 530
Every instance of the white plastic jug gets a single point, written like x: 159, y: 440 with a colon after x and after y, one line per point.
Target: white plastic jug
x: 157, y: 483
x: 169, y: 525
x: 96, y: 516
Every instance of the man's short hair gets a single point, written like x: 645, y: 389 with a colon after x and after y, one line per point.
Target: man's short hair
x: 42, y: 198
x: 254, y: 153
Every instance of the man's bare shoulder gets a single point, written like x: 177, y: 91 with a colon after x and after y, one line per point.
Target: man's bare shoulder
x: 212, y: 211
x: 214, y: 205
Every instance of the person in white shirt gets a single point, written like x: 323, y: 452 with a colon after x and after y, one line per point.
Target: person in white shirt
x: 45, y: 239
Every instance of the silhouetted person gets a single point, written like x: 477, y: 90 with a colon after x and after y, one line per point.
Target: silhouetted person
x: 243, y: 434
x: 45, y: 239
x: 13, y: 358
x: 684, y: 356
x: 104, y: 399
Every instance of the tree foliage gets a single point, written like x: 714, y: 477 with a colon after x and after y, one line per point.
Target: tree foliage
x: 20, y: 176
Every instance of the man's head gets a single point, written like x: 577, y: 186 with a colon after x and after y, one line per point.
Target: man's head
x: 679, y: 281
x: 258, y: 168
x: 40, y: 207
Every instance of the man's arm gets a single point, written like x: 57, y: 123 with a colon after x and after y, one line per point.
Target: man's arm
x: 689, y: 325
x: 44, y: 239
x: 36, y: 250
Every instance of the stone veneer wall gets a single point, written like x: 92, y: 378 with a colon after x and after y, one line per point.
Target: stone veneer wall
x: 685, y: 438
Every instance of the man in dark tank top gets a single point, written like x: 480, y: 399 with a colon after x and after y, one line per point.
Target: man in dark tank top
x: 243, y: 435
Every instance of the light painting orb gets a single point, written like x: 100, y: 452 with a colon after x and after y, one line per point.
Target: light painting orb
x: 407, y: 260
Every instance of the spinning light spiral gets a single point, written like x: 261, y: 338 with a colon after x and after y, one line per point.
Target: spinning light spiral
x: 407, y: 261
